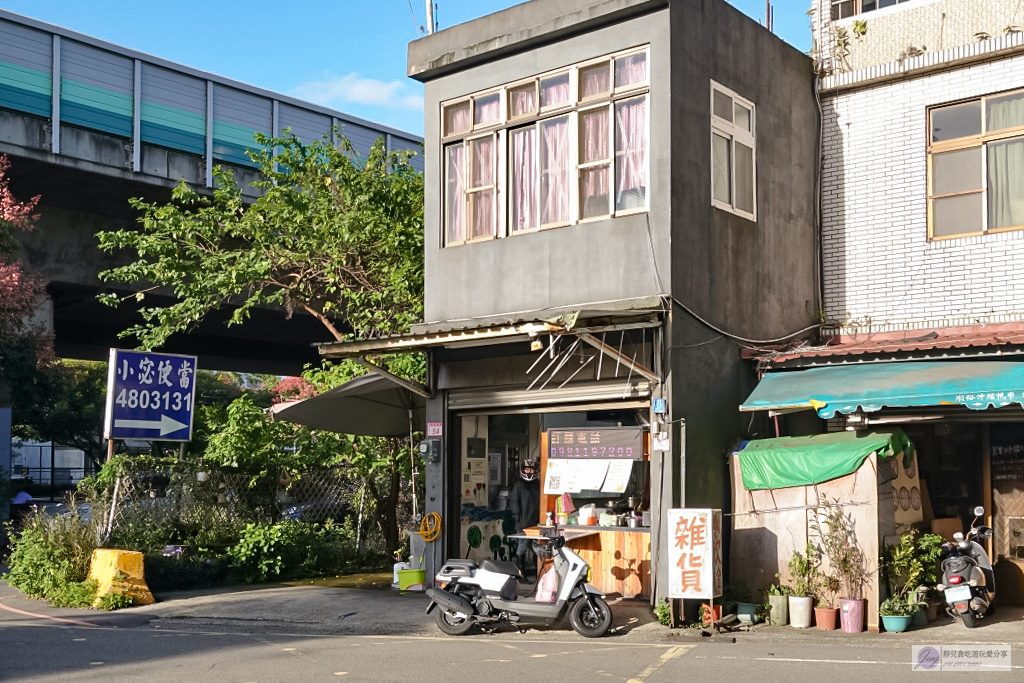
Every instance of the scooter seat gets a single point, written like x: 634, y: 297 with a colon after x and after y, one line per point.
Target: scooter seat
x: 500, y: 567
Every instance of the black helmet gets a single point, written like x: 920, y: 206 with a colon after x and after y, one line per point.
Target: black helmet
x: 528, y: 470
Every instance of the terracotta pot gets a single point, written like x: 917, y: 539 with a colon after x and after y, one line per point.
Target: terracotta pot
x: 827, y: 618
x: 933, y: 610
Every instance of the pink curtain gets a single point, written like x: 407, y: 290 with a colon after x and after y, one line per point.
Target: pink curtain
x: 456, y: 119
x: 488, y: 109
x: 631, y: 153
x: 554, y: 90
x: 524, y: 179
x: 481, y: 204
x: 482, y: 150
x: 524, y: 101
x: 594, y: 80
x: 554, y: 179
x: 595, y: 136
x: 455, y: 230
x: 631, y: 70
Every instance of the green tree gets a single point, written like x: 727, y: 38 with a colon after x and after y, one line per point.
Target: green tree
x: 333, y: 235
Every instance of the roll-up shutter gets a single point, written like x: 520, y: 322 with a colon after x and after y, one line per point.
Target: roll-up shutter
x: 96, y: 89
x: 26, y: 66
x: 237, y: 116
x: 476, y: 399
x: 173, y: 110
x: 398, y: 144
x: 306, y: 125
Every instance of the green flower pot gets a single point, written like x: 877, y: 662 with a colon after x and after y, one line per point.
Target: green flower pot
x: 895, y: 624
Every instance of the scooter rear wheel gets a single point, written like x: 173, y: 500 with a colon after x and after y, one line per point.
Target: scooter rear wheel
x: 590, y: 622
x: 968, y: 619
x: 453, y: 624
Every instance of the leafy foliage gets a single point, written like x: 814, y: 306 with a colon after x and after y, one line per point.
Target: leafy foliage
x: 900, y: 606
x: 268, y: 551
x: 805, y: 570
x: 911, y: 563
x: 333, y: 235
x: 115, y: 600
x: 50, y: 555
x: 836, y: 539
x: 663, y: 613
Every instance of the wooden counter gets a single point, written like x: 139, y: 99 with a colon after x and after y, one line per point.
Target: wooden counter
x: 619, y: 557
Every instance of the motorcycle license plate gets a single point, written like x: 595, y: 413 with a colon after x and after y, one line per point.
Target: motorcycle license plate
x: 958, y: 594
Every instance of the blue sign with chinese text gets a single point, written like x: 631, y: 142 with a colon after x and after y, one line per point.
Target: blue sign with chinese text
x: 150, y: 396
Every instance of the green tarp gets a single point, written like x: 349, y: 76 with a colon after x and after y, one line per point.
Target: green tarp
x: 807, y: 460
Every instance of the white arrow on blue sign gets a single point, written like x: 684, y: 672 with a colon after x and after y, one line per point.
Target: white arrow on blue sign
x: 150, y: 396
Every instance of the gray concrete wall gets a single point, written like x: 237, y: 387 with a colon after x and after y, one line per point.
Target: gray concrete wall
x: 586, y: 263
x: 755, y: 280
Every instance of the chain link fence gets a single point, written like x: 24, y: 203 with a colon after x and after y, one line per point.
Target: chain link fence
x: 155, y: 505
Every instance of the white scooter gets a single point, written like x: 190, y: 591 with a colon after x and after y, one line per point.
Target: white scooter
x: 488, y: 593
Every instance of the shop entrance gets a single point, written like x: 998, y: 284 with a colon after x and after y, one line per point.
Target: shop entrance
x: 615, y: 492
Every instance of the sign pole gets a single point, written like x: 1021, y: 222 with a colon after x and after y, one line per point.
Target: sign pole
x: 110, y: 449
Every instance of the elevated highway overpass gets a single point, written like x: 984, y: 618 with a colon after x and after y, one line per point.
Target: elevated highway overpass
x: 88, y: 124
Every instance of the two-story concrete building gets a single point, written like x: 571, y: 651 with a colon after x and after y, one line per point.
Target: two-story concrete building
x: 922, y: 237
x: 619, y: 197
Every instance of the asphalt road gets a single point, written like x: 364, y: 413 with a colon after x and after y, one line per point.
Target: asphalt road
x: 34, y: 651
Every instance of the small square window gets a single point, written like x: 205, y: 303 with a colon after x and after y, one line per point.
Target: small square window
x: 456, y: 118
x: 723, y: 106
x: 554, y: 91
x: 631, y: 70
x: 595, y: 80
x: 522, y: 101
x: 487, y: 109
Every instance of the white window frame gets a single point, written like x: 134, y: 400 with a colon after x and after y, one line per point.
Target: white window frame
x: 502, y: 131
x: 729, y: 130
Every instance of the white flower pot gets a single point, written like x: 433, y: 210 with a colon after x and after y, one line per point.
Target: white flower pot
x: 800, y: 611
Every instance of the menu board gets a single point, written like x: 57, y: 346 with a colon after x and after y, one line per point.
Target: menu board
x: 610, y: 442
x: 1007, y: 467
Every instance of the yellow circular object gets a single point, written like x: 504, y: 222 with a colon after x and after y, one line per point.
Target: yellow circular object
x: 430, y: 526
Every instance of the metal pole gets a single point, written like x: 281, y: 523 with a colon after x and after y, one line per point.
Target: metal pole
x: 110, y: 449
x: 412, y: 464
x: 430, y: 17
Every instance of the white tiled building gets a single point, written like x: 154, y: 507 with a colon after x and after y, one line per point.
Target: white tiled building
x: 902, y: 250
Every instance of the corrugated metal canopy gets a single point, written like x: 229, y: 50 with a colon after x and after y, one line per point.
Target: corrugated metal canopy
x: 845, y: 389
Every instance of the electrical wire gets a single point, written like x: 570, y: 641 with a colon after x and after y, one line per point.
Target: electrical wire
x: 760, y: 342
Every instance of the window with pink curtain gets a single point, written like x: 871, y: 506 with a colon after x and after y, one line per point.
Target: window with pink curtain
x: 524, y: 179
x: 595, y: 80
x: 554, y: 90
x: 554, y: 171
x: 631, y: 70
x: 595, y: 161
x: 456, y: 118
x: 631, y: 154
x: 523, y: 101
x: 481, y: 187
x: 487, y: 109
x: 455, y: 222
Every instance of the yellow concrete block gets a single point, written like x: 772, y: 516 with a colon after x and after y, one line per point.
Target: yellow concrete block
x: 119, y: 571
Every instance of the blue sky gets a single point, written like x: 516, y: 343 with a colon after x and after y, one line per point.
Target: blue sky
x: 346, y: 54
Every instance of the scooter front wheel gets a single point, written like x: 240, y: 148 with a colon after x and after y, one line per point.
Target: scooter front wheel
x: 590, y: 622
x: 453, y: 624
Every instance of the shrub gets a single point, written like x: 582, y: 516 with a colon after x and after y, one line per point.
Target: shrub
x: 663, y: 613
x: 75, y: 594
x: 292, y: 549
x: 50, y: 554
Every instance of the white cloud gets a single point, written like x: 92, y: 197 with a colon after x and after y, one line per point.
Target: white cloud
x: 333, y: 91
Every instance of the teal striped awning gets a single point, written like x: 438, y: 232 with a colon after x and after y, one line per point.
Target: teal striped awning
x: 974, y: 384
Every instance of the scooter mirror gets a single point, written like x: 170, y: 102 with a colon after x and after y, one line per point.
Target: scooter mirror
x: 985, y: 532
x: 979, y: 511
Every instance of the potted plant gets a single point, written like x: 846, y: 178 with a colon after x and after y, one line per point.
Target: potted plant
x: 826, y: 614
x: 848, y: 567
x: 897, y: 611
x: 778, y: 603
x: 910, y: 568
x: 804, y: 570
